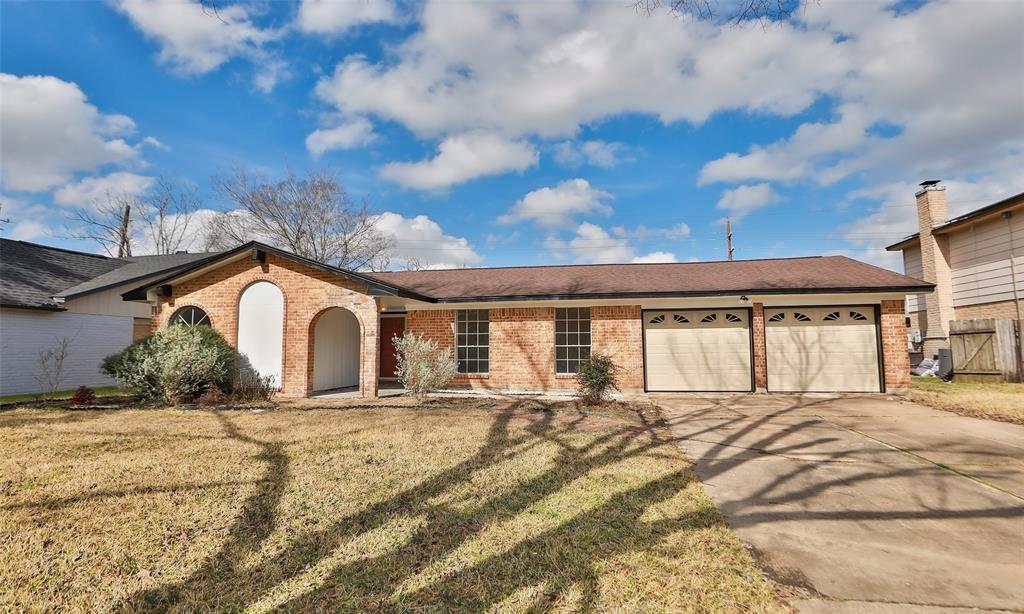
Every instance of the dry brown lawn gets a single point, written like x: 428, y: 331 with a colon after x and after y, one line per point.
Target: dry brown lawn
x: 459, y: 506
x: 995, y: 401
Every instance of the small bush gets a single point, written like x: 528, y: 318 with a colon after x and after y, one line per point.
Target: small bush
x: 84, y: 395
x: 423, y: 367
x: 597, y: 377
x: 251, y: 387
x: 176, y: 364
x: 213, y: 397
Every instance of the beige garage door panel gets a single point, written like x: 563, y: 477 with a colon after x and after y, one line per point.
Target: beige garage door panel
x: 697, y: 350
x: 824, y: 349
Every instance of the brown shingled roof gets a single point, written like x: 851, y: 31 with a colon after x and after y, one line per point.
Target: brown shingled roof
x: 778, y: 276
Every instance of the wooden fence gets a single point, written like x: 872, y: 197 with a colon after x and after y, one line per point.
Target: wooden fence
x: 985, y: 350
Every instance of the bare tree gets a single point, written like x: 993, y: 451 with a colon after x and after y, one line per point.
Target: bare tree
x: 311, y: 216
x: 166, y: 214
x: 108, y: 223
x: 735, y: 11
x: 51, y: 364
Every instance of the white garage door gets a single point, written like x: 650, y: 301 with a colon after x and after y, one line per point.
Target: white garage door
x: 697, y: 350
x: 822, y: 349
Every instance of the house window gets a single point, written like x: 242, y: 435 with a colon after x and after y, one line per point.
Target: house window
x: 680, y: 319
x: 190, y: 316
x: 801, y: 317
x: 572, y: 338
x: 708, y: 319
x: 777, y: 317
x: 860, y: 317
x: 658, y: 319
x: 732, y: 317
x: 472, y: 345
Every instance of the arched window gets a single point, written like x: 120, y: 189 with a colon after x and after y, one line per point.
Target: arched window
x: 190, y: 316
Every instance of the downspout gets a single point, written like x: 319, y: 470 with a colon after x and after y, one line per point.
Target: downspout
x: 1016, y: 297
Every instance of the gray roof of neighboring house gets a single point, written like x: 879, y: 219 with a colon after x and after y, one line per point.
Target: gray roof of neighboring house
x: 136, y: 268
x: 31, y: 274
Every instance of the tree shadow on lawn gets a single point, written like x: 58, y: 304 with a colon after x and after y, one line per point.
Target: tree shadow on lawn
x: 562, y: 558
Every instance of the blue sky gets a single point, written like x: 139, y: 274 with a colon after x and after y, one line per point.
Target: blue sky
x: 496, y: 134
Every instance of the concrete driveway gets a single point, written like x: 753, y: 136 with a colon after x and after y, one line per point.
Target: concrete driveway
x: 865, y: 503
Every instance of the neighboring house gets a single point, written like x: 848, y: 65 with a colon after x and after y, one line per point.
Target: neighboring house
x: 48, y: 294
x: 790, y: 324
x: 976, y: 262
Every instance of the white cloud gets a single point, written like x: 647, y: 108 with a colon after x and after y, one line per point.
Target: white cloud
x: 942, y: 99
x: 334, y: 17
x: 595, y: 245
x: 548, y: 68
x: 595, y: 153
x: 642, y: 232
x: 29, y: 230
x: 347, y: 135
x: 794, y: 157
x: 92, y: 189
x: 656, y: 257
x: 152, y: 141
x: 51, y: 132
x: 740, y: 201
x: 556, y: 207
x: 24, y: 216
x: 462, y: 158
x: 422, y: 241
x: 194, y: 40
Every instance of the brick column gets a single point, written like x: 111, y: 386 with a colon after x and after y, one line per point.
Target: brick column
x: 760, y: 349
x: 932, y: 210
x: 895, y: 359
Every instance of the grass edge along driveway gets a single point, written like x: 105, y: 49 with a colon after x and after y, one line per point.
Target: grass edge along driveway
x: 460, y: 505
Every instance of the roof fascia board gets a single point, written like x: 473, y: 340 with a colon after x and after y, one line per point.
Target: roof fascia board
x: 709, y: 293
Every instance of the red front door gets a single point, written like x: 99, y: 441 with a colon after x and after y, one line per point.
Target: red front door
x: 390, y: 327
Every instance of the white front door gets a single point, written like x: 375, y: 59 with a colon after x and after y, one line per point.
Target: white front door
x: 697, y: 350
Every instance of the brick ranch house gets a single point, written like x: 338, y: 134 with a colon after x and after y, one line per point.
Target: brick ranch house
x: 792, y: 324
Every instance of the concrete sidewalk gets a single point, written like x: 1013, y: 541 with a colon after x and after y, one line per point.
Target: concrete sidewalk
x: 882, y: 504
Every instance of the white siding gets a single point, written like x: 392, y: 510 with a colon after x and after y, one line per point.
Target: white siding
x: 979, y: 257
x: 912, y: 267
x: 109, y: 302
x: 26, y: 333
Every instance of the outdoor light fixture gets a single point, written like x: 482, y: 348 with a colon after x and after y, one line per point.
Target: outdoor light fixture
x: 744, y: 299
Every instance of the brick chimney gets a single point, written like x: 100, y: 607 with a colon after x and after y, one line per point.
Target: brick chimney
x: 932, y: 211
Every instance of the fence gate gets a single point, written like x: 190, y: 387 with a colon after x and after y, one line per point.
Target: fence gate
x: 984, y: 349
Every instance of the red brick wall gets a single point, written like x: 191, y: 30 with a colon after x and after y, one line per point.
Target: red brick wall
x: 307, y: 293
x: 895, y: 359
x: 522, y: 345
x: 760, y: 349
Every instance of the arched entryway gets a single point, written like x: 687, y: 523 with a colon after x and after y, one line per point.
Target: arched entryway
x: 261, y: 328
x: 336, y: 337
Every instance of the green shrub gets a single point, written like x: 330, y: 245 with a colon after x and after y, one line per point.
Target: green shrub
x: 177, y: 363
x: 596, y: 378
x: 423, y: 367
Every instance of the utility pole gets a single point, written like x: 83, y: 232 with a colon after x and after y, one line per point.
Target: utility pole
x: 124, y: 246
x: 728, y: 236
